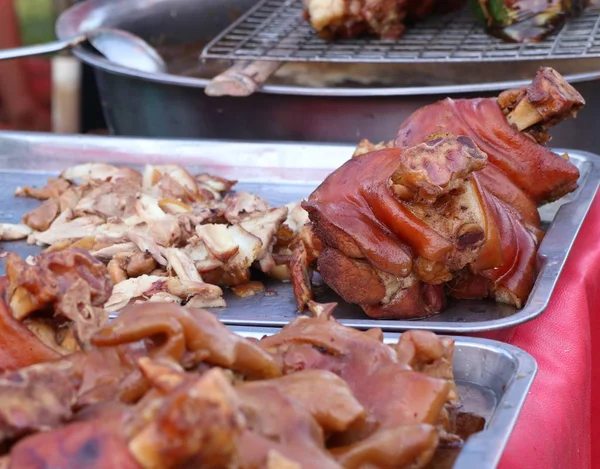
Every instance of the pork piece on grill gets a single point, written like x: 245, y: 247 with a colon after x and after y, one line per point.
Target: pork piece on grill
x: 386, y: 19
x: 526, y: 20
x: 397, y: 226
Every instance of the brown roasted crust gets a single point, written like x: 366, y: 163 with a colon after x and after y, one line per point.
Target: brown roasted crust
x: 416, y: 301
x: 381, y: 448
x: 541, y: 174
x: 305, y: 251
x: 395, y: 225
x: 93, y: 444
x: 331, y: 235
x: 322, y: 344
x: 199, y: 421
x: 435, y: 168
x: 547, y: 101
x: 356, y: 281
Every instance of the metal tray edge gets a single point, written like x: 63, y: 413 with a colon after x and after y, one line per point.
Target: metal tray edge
x: 267, y: 154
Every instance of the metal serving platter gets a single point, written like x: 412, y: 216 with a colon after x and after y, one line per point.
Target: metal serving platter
x: 282, y: 173
x: 493, y: 379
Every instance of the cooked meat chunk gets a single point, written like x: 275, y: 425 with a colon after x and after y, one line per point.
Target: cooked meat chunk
x: 386, y: 19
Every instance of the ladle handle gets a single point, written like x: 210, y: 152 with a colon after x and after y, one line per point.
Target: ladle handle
x: 41, y: 49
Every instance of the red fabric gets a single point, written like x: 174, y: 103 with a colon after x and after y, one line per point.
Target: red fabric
x: 40, y: 80
x: 555, y: 425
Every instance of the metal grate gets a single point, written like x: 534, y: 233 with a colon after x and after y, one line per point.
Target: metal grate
x: 275, y: 30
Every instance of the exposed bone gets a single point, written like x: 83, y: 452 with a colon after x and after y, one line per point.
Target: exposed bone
x: 525, y: 115
x: 547, y: 100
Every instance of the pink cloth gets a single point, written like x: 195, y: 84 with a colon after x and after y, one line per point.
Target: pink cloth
x: 555, y: 425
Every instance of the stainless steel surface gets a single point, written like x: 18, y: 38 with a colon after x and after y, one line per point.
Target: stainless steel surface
x: 345, y: 102
x: 128, y: 50
x: 186, y: 27
x: 41, y: 49
x: 282, y: 173
x: 120, y: 47
x: 276, y: 30
x: 493, y: 380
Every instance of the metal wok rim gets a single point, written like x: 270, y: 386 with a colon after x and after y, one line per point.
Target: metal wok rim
x: 72, y: 23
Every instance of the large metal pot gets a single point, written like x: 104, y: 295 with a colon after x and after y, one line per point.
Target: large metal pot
x: 303, y: 102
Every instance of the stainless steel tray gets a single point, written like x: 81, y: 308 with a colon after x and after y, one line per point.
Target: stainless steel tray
x: 284, y: 172
x: 493, y: 379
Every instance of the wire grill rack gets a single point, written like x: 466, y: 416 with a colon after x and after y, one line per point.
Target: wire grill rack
x: 275, y: 30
